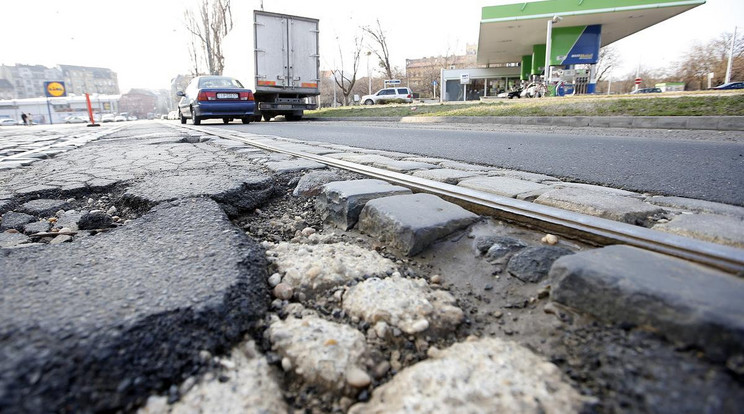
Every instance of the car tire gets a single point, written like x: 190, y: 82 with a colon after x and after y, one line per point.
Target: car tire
x: 369, y: 102
x: 267, y: 117
x: 226, y: 120
x: 196, y: 120
x: 246, y: 120
x: 183, y: 118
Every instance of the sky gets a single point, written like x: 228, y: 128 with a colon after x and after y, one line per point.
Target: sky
x: 145, y: 43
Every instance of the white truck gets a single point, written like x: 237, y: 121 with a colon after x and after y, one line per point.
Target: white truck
x: 278, y: 59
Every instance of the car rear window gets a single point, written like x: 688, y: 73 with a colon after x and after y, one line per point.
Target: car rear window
x: 403, y: 91
x: 219, y: 82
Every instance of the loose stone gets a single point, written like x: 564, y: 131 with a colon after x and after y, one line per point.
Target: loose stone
x: 357, y: 378
x: 283, y: 291
x: 550, y: 239
x: 275, y: 279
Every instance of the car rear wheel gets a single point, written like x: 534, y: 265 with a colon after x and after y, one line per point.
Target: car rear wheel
x: 226, y: 120
x: 197, y: 120
x: 247, y: 120
x: 267, y: 117
x: 183, y: 118
x: 369, y: 102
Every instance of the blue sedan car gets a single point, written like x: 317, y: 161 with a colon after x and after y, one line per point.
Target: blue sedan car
x: 216, y: 97
x: 731, y: 85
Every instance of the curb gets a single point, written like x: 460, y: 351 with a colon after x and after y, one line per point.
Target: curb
x: 716, y: 123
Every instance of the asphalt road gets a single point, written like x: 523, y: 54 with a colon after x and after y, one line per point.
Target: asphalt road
x: 705, y: 165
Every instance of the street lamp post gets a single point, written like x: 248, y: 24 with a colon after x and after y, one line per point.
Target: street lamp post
x: 548, y: 45
x: 369, y: 77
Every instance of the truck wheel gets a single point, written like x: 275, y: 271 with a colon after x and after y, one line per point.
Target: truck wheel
x: 247, y: 120
x: 369, y: 102
x: 183, y: 118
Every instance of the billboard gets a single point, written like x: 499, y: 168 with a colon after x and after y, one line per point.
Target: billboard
x: 575, y: 45
x: 55, y: 89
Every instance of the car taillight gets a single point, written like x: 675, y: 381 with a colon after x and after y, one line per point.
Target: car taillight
x: 206, y: 96
x: 246, y: 96
x: 409, y: 96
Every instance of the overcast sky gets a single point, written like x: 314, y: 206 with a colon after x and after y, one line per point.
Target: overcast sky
x: 145, y: 43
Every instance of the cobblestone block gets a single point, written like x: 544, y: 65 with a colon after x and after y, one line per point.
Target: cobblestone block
x: 503, y: 186
x: 341, y: 202
x: 600, y: 204
x: 411, y: 223
x: 686, y: 302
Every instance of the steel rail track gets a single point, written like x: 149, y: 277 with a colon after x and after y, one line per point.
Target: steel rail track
x: 589, y: 229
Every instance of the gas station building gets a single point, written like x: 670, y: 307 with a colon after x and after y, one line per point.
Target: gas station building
x: 516, y: 40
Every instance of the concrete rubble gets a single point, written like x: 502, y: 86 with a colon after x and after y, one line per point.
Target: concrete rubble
x: 407, y: 304
x: 479, y: 375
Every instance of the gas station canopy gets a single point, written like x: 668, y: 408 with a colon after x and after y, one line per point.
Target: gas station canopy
x: 510, y: 31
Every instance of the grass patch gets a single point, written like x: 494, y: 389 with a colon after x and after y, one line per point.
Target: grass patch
x: 726, y: 105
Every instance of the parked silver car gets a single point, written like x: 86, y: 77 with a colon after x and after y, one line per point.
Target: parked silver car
x: 389, y: 95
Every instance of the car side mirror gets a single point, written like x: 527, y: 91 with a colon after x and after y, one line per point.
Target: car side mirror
x: 180, y: 93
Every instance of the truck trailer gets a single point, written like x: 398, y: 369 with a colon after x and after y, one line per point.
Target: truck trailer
x: 278, y: 59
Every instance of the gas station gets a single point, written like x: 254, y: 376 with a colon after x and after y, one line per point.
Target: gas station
x: 516, y: 41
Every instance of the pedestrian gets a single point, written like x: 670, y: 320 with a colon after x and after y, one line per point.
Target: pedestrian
x: 24, y: 117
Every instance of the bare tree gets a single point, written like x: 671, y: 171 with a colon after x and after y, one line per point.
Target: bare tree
x: 608, y: 59
x: 208, y: 26
x: 711, y: 57
x: 346, y: 79
x: 380, y: 47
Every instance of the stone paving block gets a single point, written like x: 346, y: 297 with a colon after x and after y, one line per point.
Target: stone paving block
x: 456, y: 165
x: 341, y: 202
x: 697, y: 206
x: 686, y: 302
x: 600, y: 204
x: 481, y: 376
x: 411, y: 223
x: 311, y: 184
x: 601, y: 189
x: 445, y: 175
x: 527, y: 176
x: 283, y: 167
x: 503, y: 186
x: 94, y: 318
x: 403, y: 166
x: 366, y: 159
x: 713, y: 228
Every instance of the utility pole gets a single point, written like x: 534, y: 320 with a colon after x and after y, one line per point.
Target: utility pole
x: 731, y: 57
x: 369, y: 77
